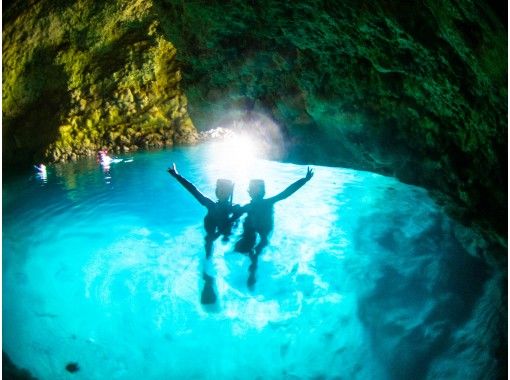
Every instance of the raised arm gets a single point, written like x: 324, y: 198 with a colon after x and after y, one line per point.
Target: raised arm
x: 204, y: 201
x: 292, y: 188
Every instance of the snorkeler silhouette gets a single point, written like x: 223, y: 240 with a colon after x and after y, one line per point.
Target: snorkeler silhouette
x: 260, y: 219
x: 221, y: 215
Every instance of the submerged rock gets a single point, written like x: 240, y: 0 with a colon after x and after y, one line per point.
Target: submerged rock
x: 12, y: 372
x: 72, y: 367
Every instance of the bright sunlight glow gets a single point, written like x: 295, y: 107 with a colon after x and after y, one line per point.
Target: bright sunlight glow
x: 235, y: 156
x: 238, y: 144
x: 241, y: 147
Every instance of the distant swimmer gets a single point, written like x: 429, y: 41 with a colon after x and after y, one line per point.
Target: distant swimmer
x: 40, y: 168
x: 260, y: 219
x: 41, y: 172
x: 103, y: 158
x: 221, y: 215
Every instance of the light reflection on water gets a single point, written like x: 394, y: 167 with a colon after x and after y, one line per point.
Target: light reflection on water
x: 105, y: 269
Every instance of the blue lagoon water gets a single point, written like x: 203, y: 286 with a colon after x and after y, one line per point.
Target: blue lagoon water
x: 365, y: 277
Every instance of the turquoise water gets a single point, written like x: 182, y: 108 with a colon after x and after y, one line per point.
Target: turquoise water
x: 364, y: 277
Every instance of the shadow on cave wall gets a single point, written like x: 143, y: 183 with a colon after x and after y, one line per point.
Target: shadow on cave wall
x: 41, y: 94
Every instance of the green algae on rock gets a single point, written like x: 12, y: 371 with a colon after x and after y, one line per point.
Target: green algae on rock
x: 416, y: 90
x: 78, y: 76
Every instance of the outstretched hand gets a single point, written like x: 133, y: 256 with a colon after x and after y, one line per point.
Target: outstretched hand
x: 173, y: 170
x: 309, y: 174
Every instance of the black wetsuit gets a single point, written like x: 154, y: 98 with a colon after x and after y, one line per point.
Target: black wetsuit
x: 260, y: 219
x: 220, y: 215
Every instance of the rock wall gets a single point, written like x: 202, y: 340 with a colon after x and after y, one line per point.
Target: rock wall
x: 417, y: 90
x: 79, y: 76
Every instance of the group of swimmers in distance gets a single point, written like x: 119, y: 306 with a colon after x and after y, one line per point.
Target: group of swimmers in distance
x: 222, y: 215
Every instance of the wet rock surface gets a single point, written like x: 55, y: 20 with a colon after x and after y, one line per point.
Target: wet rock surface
x: 87, y: 75
x: 415, y: 90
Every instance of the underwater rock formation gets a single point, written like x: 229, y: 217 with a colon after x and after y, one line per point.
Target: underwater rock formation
x: 416, y: 90
x: 79, y: 76
x: 11, y: 372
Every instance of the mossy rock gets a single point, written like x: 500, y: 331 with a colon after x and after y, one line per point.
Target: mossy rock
x: 416, y: 90
x: 77, y: 74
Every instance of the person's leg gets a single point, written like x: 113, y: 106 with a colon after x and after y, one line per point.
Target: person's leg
x: 254, y: 256
x: 209, y: 240
x: 226, y: 230
x: 247, y: 241
x: 212, y: 235
x: 257, y: 250
x: 263, y: 243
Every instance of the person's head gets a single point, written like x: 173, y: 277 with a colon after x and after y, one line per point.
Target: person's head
x: 257, y: 189
x: 224, y: 189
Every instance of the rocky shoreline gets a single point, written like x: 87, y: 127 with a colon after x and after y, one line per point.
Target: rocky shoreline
x: 417, y: 92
